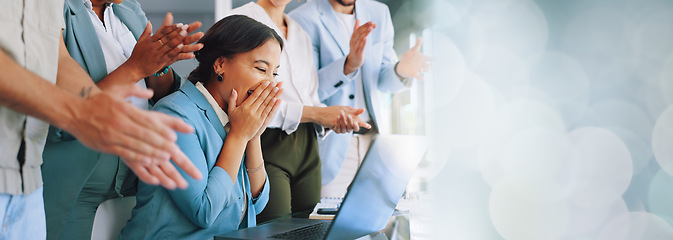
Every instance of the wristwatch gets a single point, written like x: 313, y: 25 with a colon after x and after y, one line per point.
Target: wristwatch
x: 162, y: 72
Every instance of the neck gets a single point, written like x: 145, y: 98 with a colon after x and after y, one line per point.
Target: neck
x: 274, y: 12
x: 98, y: 7
x: 213, y: 89
x: 341, y: 8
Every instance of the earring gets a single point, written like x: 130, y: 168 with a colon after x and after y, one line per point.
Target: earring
x: 219, y: 77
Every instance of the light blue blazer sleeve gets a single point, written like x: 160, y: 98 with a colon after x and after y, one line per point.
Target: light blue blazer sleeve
x: 204, y: 199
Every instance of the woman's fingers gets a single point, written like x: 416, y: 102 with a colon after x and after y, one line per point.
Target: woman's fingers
x: 232, y: 100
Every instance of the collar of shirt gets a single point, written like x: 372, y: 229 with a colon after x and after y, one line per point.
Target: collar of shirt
x: 224, y: 118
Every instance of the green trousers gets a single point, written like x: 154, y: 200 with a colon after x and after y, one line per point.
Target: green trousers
x: 293, y: 166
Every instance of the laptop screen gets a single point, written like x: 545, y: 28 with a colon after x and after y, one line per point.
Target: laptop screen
x: 377, y: 186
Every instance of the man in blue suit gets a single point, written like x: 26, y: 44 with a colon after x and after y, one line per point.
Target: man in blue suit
x: 357, y: 65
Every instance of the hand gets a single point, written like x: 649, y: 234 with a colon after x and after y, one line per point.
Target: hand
x: 248, y: 119
x: 166, y: 46
x: 413, y: 63
x: 341, y: 119
x: 356, y: 56
x: 143, y: 139
x: 269, y: 116
x: 350, y: 122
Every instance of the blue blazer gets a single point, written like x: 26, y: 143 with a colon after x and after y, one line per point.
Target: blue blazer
x: 209, y: 206
x: 68, y: 164
x: 330, y: 48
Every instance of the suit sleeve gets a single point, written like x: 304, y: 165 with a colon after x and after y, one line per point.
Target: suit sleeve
x: 203, y: 200
x: 388, y: 80
x: 331, y: 76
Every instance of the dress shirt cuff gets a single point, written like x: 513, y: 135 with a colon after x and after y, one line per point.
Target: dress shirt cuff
x: 353, y: 75
x: 293, y: 114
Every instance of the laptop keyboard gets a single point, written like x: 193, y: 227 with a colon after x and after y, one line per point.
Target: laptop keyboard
x: 315, y: 231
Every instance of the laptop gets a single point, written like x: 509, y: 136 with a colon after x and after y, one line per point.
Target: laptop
x: 369, y: 203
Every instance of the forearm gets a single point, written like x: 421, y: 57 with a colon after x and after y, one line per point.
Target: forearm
x: 255, y: 161
x: 161, y: 85
x: 25, y: 92
x: 310, y: 114
x: 231, y: 155
x: 124, y: 74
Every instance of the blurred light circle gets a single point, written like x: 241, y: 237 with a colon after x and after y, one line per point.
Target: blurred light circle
x: 448, y: 70
x: 499, y: 66
x: 652, y: 42
x: 666, y: 82
x: 535, y: 160
x: 517, y: 216
x: 605, y: 167
x: 587, y: 222
x: 463, y: 119
x: 563, y: 79
x: 660, y: 196
x: 464, y: 213
x: 512, y: 118
x: 651, y: 98
x: 517, y: 25
x: 662, y: 140
x: 590, y: 46
x: 637, y: 225
x: 628, y: 121
x: 450, y: 12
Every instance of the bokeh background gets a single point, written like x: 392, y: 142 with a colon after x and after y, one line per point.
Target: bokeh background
x: 550, y: 120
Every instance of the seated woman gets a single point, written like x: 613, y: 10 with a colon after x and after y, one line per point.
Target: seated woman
x: 239, y: 55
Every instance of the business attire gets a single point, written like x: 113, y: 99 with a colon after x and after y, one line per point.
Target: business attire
x: 30, y: 37
x: 290, y: 148
x: 210, y: 206
x: 330, y: 34
x: 78, y: 179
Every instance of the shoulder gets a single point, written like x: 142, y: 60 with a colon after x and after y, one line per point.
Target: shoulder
x: 132, y: 5
x: 376, y: 9
x: 306, y: 10
x: 247, y: 9
x: 176, y: 104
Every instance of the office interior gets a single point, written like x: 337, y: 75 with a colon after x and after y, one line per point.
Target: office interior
x: 546, y: 119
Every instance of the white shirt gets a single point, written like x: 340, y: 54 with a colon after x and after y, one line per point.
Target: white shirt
x: 300, y: 81
x: 347, y: 23
x: 117, y: 43
x: 224, y: 118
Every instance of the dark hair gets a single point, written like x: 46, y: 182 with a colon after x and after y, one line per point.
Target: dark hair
x: 228, y: 37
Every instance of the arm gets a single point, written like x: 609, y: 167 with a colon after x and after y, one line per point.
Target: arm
x: 204, y: 199
x: 331, y: 76
x: 388, y: 80
x: 152, y: 53
x: 105, y: 122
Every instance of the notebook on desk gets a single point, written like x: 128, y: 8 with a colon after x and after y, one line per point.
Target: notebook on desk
x: 369, y: 202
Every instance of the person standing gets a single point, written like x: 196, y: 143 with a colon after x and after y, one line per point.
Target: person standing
x: 41, y: 83
x: 290, y: 145
x: 104, y: 36
x: 356, y: 65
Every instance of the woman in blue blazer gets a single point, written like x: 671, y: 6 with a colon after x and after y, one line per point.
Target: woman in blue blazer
x: 239, y: 55
x: 105, y: 36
